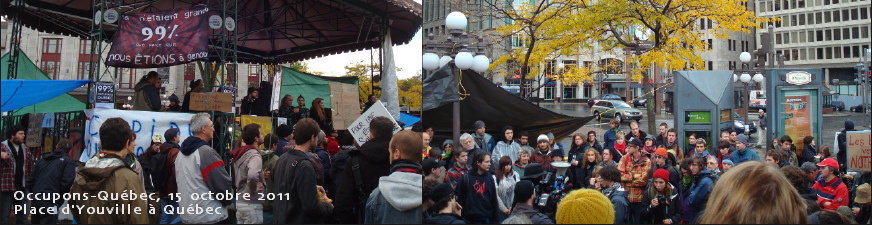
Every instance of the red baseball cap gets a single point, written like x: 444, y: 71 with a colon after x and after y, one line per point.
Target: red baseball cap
x: 829, y: 162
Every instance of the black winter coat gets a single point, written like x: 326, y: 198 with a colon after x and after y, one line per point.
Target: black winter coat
x: 374, y: 163
x: 56, y: 172
x: 576, y: 173
x: 294, y: 174
x: 444, y: 218
x: 808, y: 153
x: 662, y: 211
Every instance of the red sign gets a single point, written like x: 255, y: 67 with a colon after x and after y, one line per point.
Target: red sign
x: 161, y: 39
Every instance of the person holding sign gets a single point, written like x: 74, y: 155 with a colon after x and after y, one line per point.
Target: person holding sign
x: 830, y: 189
x: 146, y: 97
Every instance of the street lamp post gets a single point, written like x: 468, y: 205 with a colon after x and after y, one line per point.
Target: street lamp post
x: 462, y: 46
x: 746, y: 80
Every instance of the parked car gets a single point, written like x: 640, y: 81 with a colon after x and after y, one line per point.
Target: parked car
x: 739, y: 125
x: 858, y: 108
x: 592, y: 101
x: 640, y: 102
x: 615, y: 109
x: 838, y: 105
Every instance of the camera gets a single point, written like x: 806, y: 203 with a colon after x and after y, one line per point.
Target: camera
x: 662, y: 199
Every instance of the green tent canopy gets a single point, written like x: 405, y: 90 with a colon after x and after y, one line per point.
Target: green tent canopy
x: 29, y: 71
x: 296, y: 83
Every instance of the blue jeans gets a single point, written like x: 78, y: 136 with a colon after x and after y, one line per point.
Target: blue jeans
x: 169, y: 218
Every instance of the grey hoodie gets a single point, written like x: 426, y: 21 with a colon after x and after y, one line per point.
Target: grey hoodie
x: 396, y: 200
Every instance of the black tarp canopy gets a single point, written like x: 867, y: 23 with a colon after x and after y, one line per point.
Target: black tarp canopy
x: 497, y: 108
x: 268, y: 31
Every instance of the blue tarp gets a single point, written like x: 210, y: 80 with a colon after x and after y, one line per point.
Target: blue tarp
x: 21, y: 93
x: 408, y: 119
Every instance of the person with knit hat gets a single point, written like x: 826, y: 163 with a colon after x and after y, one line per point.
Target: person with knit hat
x: 726, y: 164
x: 523, y: 203
x: 660, y: 162
x: 286, y: 139
x: 634, y: 169
x: 609, y: 180
x: 543, y: 154
x: 482, y: 140
x: 842, y: 140
x: 649, y: 147
x: 660, y: 198
x: 742, y: 152
x: 585, y: 206
x: 832, y: 192
x: 863, y: 200
x: 445, y: 208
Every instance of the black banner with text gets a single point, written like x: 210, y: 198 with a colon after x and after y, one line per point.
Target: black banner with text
x: 160, y: 39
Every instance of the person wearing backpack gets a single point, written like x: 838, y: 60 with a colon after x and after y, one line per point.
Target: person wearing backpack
x: 56, y: 177
x: 295, y: 178
x: 164, y: 175
x: 362, y: 172
x: 248, y: 167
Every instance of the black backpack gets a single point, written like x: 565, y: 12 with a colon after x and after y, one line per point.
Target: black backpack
x: 159, y: 172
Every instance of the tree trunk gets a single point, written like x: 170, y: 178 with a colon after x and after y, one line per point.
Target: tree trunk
x: 525, y: 69
x: 651, y: 103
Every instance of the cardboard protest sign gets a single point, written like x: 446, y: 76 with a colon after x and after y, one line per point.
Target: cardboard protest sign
x: 214, y: 101
x: 360, y: 127
x: 859, y: 150
x: 345, y: 104
x: 34, y: 131
x: 144, y: 123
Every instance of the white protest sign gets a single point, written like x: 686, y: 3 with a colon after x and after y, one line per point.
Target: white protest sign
x: 143, y: 123
x: 276, y: 92
x: 360, y: 127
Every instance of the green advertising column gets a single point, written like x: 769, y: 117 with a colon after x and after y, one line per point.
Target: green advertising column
x: 795, y: 104
x: 703, y: 105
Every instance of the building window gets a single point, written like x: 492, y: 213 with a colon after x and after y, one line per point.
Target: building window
x: 864, y: 13
x: 126, y: 78
x: 846, y: 33
x: 829, y: 52
x: 586, y: 90
x: 710, y: 45
x: 856, y: 32
x: 51, y: 56
x: 865, y: 32
x: 253, y: 73
x: 820, y: 53
x: 84, y: 70
x: 846, y: 51
x: 569, y: 92
x: 855, y: 51
x: 711, y: 65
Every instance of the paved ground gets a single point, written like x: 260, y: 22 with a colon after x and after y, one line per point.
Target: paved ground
x: 832, y: 122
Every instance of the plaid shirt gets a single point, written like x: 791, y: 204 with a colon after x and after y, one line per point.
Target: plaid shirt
x: 7, y: 167
x: 634, y: 176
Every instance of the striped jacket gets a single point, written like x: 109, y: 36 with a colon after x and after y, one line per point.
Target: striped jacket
x: 634, y: 176
x: 834, y: 192
x: 7, y: 167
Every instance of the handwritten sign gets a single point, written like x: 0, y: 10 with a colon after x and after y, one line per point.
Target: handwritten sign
x: 144, y: 123
x: 160, y: 39
x: 34, y: 130
x: 216, y: 101
x: 345, y: 104
x: 359, y: 129
x: 859, y: 150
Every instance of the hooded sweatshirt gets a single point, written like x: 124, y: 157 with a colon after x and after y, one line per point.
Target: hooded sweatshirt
x: 172, y: 151
x: 146, y: 97
x: 478, y: 195
x: 397, y: 199
x: 109, y: 173
x: 199, y: 169
x: 248, y: 165
x: 842, y: 154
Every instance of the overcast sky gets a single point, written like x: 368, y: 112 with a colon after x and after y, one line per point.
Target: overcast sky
x: 407, y: 57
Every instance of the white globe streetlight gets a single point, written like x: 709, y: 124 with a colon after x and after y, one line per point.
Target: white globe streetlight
x: 444, y: 60
x: 463, y: 60
x: 455, y: 21
x: 745, y: 57
x: 430, y: 61
x: 758, y: 77
x: 745, y: 78
x: 735, y: 78
x: 480, y: 63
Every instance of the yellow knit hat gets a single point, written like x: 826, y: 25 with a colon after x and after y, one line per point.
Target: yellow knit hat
x: 585, y: 206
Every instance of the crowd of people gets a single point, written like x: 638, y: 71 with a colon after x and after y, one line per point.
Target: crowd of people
x: 300, y: 175
x: 638, y: 178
